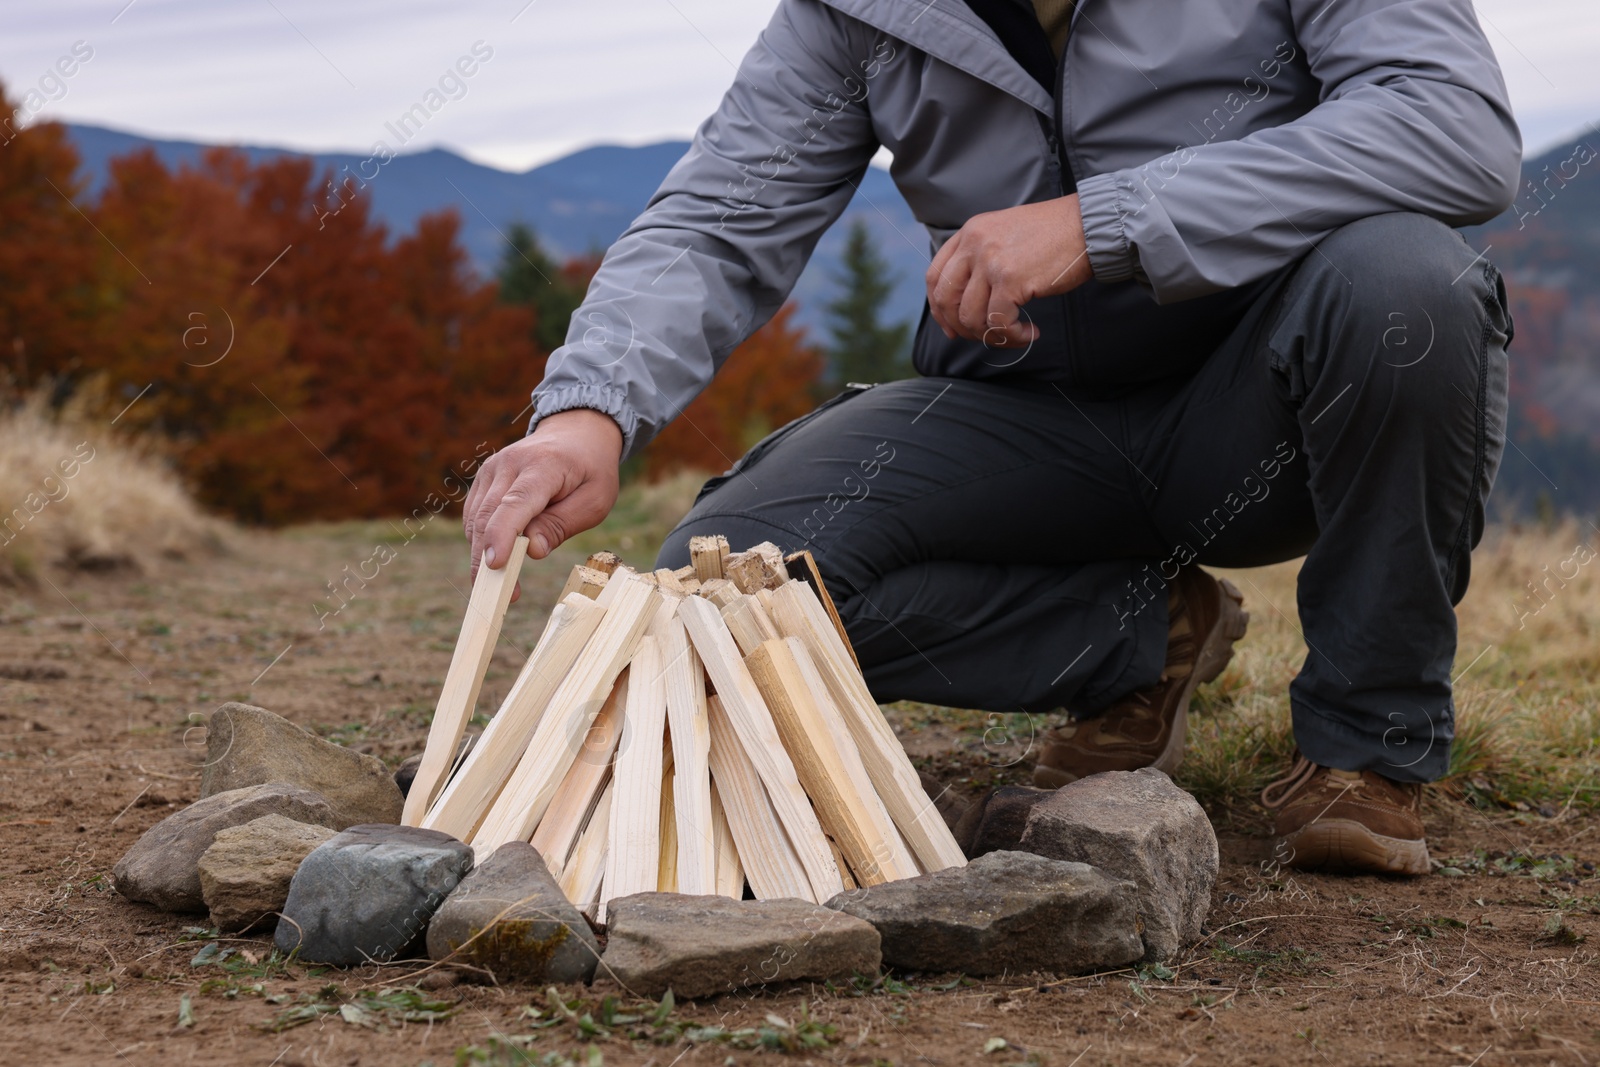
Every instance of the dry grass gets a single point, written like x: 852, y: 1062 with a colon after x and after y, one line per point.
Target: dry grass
x: 75, y: 494
x: 1527, y: 680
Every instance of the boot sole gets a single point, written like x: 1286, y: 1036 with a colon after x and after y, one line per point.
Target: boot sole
x: 1216, y: 652
x: 1346, y: 845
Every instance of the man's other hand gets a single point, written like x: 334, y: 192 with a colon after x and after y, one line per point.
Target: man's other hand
x: 558, y: 481
x: 999, y: 261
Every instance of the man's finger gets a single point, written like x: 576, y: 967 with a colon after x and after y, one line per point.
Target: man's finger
x: 525, y: 498
x: 945, y: 291
x: 579, y: 510
x: 484, y: 511
x: 973, y: 312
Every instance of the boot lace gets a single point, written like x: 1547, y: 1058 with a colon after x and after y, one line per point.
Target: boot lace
x: 1278, y: 793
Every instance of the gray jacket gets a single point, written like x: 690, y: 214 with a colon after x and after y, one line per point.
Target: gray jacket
x: 1211, y: 143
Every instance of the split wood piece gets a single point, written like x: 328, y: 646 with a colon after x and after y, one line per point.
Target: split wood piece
x: 747, y: 621
x: 585, y: 871
x: 683, y: 574
x: 720, y: 591
x: 708, y: 554
x: 844, y: 867
x: 633, y: 858
x: 585, y: 780
x: 828, y: 764
x: 555, y: 744
x: 799, y: 614
x: 614, y: 583
x: 604, y: 562
x: 460, y: 808
x: 690, y: 585
x: 803, y: 566
x: 585, y: 580
x: 480, y: 629
x: 768, y: 857
x: 730, y: 873
x: 667, y: 868
x: 668, y: 580
x: 665, y: 614
x: 756, y: 732
x: 760, y: 567
x: 691, y: 747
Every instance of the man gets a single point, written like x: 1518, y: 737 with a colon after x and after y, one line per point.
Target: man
x: 1193, y: 299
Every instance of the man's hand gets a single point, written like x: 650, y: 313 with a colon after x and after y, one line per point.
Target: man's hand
x: 558, y: 481
x: 999, y: 261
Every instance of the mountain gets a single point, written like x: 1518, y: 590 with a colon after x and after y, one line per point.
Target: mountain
x: 578, y: 203
x: 1547, y: 246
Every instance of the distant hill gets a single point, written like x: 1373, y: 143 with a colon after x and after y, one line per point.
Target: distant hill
x: 578, y: 203
x: 1548, y: 247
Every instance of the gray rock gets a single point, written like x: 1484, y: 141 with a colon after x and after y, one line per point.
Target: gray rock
x: 1005, y: 912
x: 367, y: 894
x: 510, y: 918
x: 995, y: 821
x: 1139, y: 826
x: 700, y: 946
x: 163, y: 866
x: 245, y: 874
x: 247, y: 745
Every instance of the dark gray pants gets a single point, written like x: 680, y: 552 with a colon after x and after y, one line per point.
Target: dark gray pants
x: 1008, y: 549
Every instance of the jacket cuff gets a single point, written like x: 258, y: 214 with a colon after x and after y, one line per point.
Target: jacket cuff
x: 1103, y: 204
x: 606, y: 399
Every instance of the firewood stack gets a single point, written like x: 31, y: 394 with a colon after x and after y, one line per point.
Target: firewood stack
x: 683, y: 731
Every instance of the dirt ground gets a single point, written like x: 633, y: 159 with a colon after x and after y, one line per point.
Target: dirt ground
x: 105, y: 683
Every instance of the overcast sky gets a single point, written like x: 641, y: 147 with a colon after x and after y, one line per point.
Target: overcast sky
x: 327, y: 74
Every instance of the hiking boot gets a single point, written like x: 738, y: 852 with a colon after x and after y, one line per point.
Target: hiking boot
x: 1148, y: 728
x: 1358, y: 821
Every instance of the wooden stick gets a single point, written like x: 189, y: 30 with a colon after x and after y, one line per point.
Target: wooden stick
x: 633, y: 858
x: 460, y: 808
x: 480, y: 629
x: 691, y: 753
x: 667, y: 868
x: 755, y: 568
x: 604, y: 562
x: 573, y: 707
x: 803, y: 565
x: 582, y: 877
x: 844, y: 867
x: 768, y: 857
x: 730, y: 873
x: 827, y: 762
x: 720, y: 591
x: 708, y: 554
x: 748, y: 623
x: 668, y: 580
x: 583, y: 783
x: 585, y: 580
x: 759, y: 737
x: 798, y: 613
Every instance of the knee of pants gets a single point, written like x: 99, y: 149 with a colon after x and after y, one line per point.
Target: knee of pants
x: 1412, y: 301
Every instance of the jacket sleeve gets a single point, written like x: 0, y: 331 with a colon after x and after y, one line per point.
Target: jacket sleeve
x: 723, y: 241
x: 1413, y: 116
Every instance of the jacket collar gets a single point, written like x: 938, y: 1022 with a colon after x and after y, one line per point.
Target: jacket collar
x: 948, y: 31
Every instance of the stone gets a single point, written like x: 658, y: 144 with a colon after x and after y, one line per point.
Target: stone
x: 1139, y: 826
x: 245, y: 874
x: 995, y: 821
x: 163, y: 866
x: 246, y: 745
x: 510, y: 918
x: 1005, y: 912
x: 946, y: 800
x: 368, y: 892
x: 700, y: 946
x: 406, y: 773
